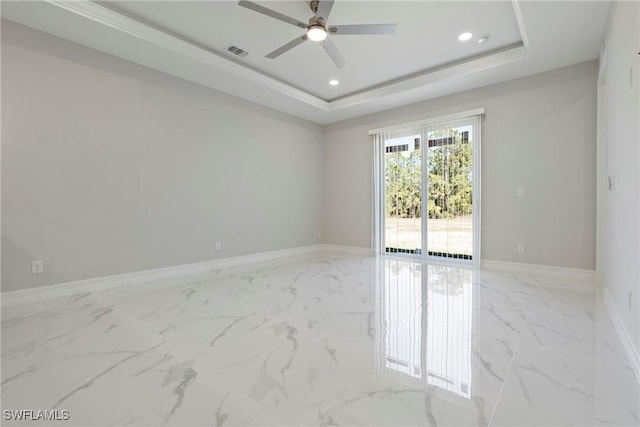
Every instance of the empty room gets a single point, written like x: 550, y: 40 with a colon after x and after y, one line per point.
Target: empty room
x: 331, y: 213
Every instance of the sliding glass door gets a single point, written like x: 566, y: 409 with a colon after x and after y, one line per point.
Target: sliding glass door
x: 430, y: 190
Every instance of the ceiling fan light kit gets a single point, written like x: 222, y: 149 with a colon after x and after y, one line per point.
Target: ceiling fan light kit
x: 316, y: 33
x: 317, y: 29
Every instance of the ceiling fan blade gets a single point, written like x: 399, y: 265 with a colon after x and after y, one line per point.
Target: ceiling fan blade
x: 333, y: 53
x: 324, y: 9
x: 363, y: 29
x: 272, y: 13
x: 293, y: 43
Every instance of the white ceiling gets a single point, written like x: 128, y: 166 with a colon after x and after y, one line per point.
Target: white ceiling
x: 371, y: 60
x: 424, y: 59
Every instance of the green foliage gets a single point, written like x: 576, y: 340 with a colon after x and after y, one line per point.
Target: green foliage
x: 403, y: 184
x: 449, y: 178
x: 450, y: 185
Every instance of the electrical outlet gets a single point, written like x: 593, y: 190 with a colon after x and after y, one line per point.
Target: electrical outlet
x: 612, y: 183
x: 37, y: 266
x: 218, y: 246
x: 630, y: 293
x: 520, y: 248
x: 520, y: 192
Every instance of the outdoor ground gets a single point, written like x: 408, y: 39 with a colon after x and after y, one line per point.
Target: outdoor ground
x: 453, y: 236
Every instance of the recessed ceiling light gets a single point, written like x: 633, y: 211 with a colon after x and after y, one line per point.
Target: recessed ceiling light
x: 334, y: 82
x: 464, y: 37
x: 483, y: 40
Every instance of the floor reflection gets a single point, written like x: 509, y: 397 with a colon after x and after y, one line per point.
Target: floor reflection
x: 291, y: 343
x: 426, y: 315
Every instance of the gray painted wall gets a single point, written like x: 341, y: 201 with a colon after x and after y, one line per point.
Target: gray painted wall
x: 539, y: 133
x: 109, y: 167
x: 622, y: 122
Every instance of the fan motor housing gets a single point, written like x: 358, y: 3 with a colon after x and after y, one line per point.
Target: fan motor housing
x: 316, y: 21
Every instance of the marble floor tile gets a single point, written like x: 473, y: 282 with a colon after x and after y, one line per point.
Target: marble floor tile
x: 322, y: 339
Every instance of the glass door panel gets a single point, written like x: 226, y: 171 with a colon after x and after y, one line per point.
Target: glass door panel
x: 403, y: 194
x: 449, y: 220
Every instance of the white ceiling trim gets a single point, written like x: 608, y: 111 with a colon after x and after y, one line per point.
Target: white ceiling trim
x: 466, y: 66
x: 430, y: 121
x: 520, y: 21
x: 187, y: 48
x: 602, y: 63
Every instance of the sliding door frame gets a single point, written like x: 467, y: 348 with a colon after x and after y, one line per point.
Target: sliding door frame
x: 380, y: 136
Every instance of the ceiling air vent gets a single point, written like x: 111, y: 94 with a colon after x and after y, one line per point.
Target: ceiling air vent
x: 237, y: 51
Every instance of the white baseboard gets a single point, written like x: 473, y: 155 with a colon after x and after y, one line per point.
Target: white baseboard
x: 352, y: 250
x: 625, y: 337
x: 43, y: 293
x: 584, y: 280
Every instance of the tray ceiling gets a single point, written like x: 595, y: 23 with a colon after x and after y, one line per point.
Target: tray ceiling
x: 423, y: 59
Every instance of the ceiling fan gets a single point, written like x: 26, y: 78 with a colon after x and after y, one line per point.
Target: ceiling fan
x: 317, y: 29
